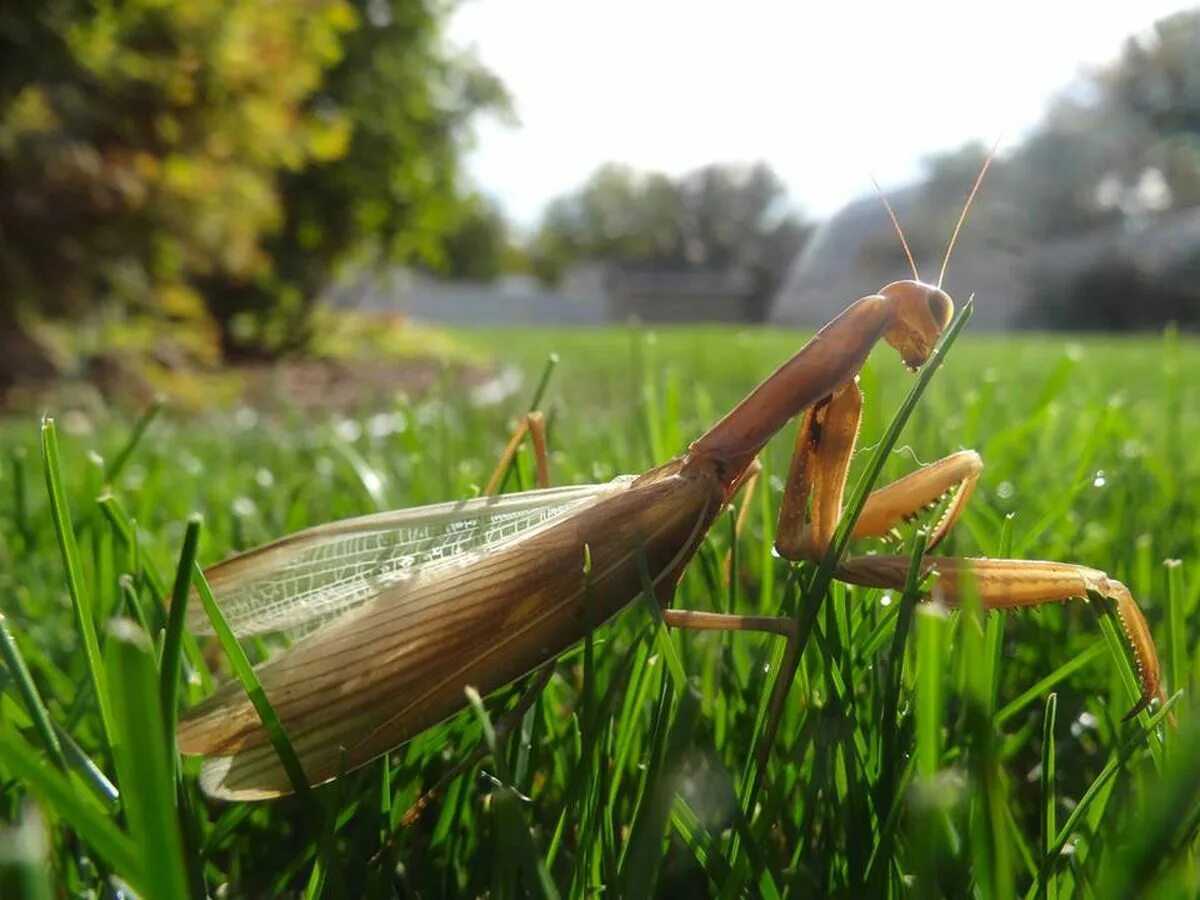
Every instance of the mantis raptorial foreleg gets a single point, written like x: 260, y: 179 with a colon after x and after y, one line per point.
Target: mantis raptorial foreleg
x: 812, y: 507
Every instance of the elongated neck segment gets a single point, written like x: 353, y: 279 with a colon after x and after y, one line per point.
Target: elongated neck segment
x: 834, y: 355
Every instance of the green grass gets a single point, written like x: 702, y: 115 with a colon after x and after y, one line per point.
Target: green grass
x: 919, y: 753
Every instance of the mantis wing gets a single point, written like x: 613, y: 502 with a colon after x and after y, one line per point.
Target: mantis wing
x: 320, y: 573
x: 399, y: 662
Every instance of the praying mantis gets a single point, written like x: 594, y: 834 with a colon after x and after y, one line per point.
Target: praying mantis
x: 419, y: 605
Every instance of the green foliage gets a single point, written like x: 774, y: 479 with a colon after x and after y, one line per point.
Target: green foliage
x: 140, y: 148
x: 478, y: 248
x: 392, y: 193
x: 718, y: 217
x: 1116, y: 294
x: 1126, y: 142
x: 1117, y: 155
x: 202, y: 162
x: 914, y: 748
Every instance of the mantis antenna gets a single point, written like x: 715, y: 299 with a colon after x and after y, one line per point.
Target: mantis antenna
x: 962, y: 217
x: 899, y: 231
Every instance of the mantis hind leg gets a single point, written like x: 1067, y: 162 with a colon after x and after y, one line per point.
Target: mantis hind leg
x: 533, y: 425
x: 784, y: 626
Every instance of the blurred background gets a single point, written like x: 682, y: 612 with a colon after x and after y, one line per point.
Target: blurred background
x: 194, y: 189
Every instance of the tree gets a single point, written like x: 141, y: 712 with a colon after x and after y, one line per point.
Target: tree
x: 718, y: 217
x: 1116, y: 154
x: 477, y: 248
x: 738, y: 217
x: 212, y: 163
x: 395, y: 193
x: 1156, y: 84
x: 1125, y: 142
x: 139, y: 145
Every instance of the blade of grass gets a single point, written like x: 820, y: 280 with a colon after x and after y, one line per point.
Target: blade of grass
x: 819, y: 585
x: 1126, y: 751
x: 271, y: 724
x: 61, y: 513
x: 106, y: 792
x: 30, y: 695
x: 19, y: 469
x: 24, y: 864
x: 929, y: 797
x: 1048, y: 887
x: 643, y: 858
x: 886, y: 797
x: 535, y: 402
x: 144, y: 765
x: 704, y: 846
x: 114, y: 468
x: 172, y: 645
x: 1176, y: 627
x: 60, y: 795
x: 931, y: 629
x: 514, y: 829
x: 1039, y: 688
x: 246, y: 675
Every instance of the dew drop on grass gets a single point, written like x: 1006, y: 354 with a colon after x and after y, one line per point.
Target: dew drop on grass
x: 75, y: 422
x: 498, y: 389
x: 1099, y: 481
x: 244, y: 507
x: 1085, y: 722
x: 348, y: 430
x: 1132, y: 449
x: 886, y: 599
x: 381, y: 425
x: 372, y: 482
x: 1005, y: 490
x: 245, y: 418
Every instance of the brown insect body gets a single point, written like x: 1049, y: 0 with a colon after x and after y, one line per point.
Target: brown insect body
x: 400, y: 664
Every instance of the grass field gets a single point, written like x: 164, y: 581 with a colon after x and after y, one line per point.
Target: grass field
x: 920, y: 753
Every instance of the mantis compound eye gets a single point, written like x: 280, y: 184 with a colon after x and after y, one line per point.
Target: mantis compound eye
x: 941, y: 307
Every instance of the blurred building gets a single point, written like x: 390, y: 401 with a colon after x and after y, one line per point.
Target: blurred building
x: 856, y: 252
x: 591, y: 294
x: 1136, y: 274
x: 1150, y: 265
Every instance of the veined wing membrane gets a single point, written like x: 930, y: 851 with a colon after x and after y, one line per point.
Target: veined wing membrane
x: 320, y: 573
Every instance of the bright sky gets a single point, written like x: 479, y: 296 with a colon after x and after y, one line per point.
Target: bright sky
x: 827, y: 92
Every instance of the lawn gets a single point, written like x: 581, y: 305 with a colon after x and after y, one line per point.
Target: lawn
x: 919, y: 753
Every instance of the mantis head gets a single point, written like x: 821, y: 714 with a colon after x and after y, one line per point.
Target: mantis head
x: 922, y: 313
